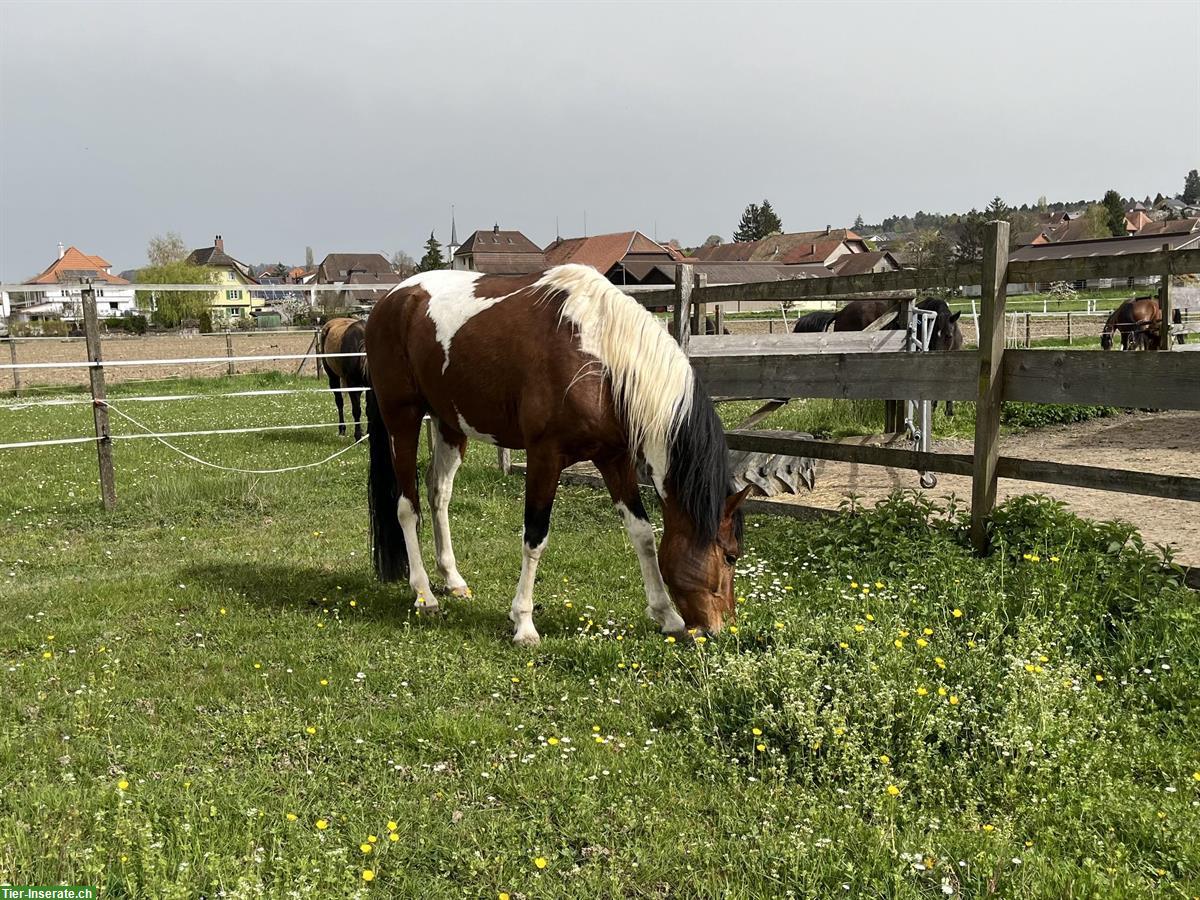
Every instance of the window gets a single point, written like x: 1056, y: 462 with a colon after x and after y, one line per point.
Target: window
x: 233, y: 295
x: 113, y: 304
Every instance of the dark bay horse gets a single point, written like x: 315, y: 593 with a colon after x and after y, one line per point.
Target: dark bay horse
x: 1137, y: 320
x: 345, y: 335
x: 858, y: 314
x: 565, y: 366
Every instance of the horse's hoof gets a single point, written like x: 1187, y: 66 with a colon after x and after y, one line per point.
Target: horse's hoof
x: 427, y: 607
x: 527, y: 637
x: 464, y: 592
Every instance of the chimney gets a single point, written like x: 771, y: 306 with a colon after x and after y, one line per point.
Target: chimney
x: 62, y: 251
x: 827, y: 229
x: 219, y: 244
x: 496, y: 228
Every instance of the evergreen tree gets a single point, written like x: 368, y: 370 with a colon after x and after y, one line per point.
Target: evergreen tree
x: 1114, y: 208
x: 970, y: 238
x: 433, y: 255
x: 747, y: 229
x: 1191, y: 188
x: 768, y: 222
x: 308, y: 258
x: 997, y: 209
x: 858, y: 222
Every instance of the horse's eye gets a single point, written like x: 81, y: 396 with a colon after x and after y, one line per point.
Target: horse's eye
x: 730, y: 559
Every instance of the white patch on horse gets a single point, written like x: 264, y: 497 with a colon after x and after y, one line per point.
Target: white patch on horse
x: 472, y: 433
x: 452, y: 302
x: 658, y: 602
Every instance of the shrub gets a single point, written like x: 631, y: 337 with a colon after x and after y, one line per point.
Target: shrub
x: 1039, y: 415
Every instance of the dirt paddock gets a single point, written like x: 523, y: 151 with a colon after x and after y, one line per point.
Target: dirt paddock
x: 1167, y: 443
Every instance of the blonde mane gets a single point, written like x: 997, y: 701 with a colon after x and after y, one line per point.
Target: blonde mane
x: 652, y: 380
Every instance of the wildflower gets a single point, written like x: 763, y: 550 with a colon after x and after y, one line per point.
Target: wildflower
x: 843, y: 645
x: 371, y: 839
x: 311, y: 729
x: 879, y: 584
x: 939, y: 662
x: 670, y: 640
x: 893, y: 790
x: 741, y: 599
x: 898, y: 644
x: 1029, y: 667
x: 258, y: 665
x: 540, y: 862
x: 595, y: 729
x: 1196, y: 776
x: 1099, y: 677
x: 47, y: 654
x: 503, y: 895
x: 292, y: 817
x: 123, y: 785
x: 921, y: 642
x: 322, y: 824
x: 222, y: 610
x: 733, y: 629
x: 779, y: 625
x: 553, y: 742
x: 515, y: 680
x: 922, y: 691
x: 941, y: 692
x: 885, y: 759
x: 368, y: 875
x: 854, y: 584
x: 971, y: 644
x: 354, y: 603
x: 393, y: 837
x: 365, y: 848
x: 870, y: 618
x: 756, y: 731
x: 989, y: 827
x: 701, y: 639
x: 1033, y: 557
x: 324, y: 682
x: 839, y: 731
x: 927, y: 631
x: 957, y: 613
x: 954, y: 699
x: 760, y: 747
x: 860, y: 627
x: 1054, y: 559
x: 903, y: 634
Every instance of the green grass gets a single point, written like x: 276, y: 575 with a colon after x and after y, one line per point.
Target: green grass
x: 163, y: 666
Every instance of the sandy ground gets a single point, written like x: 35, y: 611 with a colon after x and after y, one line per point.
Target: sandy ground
x: 1166, y: 443
x: 155, y: 347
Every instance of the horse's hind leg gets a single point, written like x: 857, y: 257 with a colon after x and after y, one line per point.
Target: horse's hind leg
x: 621, y: 480
x: 335, y: 385
x: 542, y: 469
x: 356, y: 409
x: 447, y: 457
x: 404, y: 425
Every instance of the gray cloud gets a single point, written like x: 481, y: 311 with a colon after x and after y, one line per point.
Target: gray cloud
x: 354, y: 126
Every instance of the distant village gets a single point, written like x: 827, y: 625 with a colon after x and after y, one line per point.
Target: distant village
x: 246, y: 296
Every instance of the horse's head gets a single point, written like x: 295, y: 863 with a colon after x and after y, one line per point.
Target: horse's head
x: 946, y: 333
x: 1106, y: 339
x: 699, y: 572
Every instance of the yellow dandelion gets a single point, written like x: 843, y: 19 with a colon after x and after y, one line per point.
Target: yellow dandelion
x: 1029, y: 667
x: 885, y: 759
x: 971, y: 644
x: 701, y: 639
x: 47, y: 654
x: 1043, y: 659
x: 870, y: 618
x: 843, y: 645
x: 760, y: 747
x: 322, y: 824
x: 941, y: 692
x: 515, y: 680
x: 989, y: 827
x: 540, y: 862
x: 839, y: 731
x: 123, y: 785
x: 939, y: 662
x: 553, y: 742
x: 854, y: 584
x: 1099, y: 677
x: 324, y: 682
x: 954, y: 699
x: 292, y: 817
x: 898, y: 644
x: 893, y: 790
x: 903, y: 634
x: 879, y: 584
x: 371, y: 839
x: 258, y: 665
x: 927, y: 631
x: 354, y: 603
x: 1196, y: 776
x: 503, y: 895
x: 393, y: 837
x: 222, y: 610
x: 1054, y: 559
x: 756, y: 731
x: 957, y: 613
x: 733, y: 629
x: 1033, y: 557
x: 1026, y: 556
x: 670, y: 640
x: 741, y: 599
x: 860, y: 627
x: 365, y: 848
x: 921, y: 642
x: 779, y: 625
x: 922, y: 691
x: 368, y: 875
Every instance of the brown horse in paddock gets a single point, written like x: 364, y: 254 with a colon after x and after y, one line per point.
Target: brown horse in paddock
x: 565, y: 366
x: 345, y: 335
x: 858, y: 314
x: 1138, y: 321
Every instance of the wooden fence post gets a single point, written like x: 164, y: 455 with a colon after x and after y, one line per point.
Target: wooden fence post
x: 720, y: 313
x: 1068, y: 329
x: 12, y: 355
x: 91, y: 329
x: 1027, y: 344
x: 1164, y: 302
x: 991, y: 381
x: 504, y: 460
x: 700, y: 309
x: 229, y: 369
x: 683, y: 303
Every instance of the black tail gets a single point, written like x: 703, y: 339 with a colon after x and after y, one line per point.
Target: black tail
x: 387, y: 539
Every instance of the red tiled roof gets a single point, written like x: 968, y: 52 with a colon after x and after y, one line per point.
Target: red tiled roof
x: 75, y: 265
x: 603, y: 251
x: 796, y: 248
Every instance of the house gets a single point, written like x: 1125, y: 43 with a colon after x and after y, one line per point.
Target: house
x: 497, y: 252
x: 355, y: 268
x: 1170, y: 226
x: 798, y: 248
x: 1136, y: 219
x: 231, y: 301
x: 1065, y: 229
x: 611, y: 254
x: 1113, y: 246
x: 60, y: 289
x: 865, y: 263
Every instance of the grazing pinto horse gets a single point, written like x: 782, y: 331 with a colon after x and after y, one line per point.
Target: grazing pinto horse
x: 345, y: 335
x: 565, y: 366
x: 1137, y: 320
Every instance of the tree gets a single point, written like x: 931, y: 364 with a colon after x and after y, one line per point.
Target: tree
x: 164, y: 249
x: 433, y: 255
x: 403, y: 264
x: 768, y: 222
x: 928, y: 249
x: 1041, y: 204
x: 858, y: 222
x: 1191, y: 188
x: 997, y: 209
x: 1095, y: 218
x: 308, y: 258
x: 1114, y: 208
x: 747, y: 229
x: 970, y: 237
x: 713, y: 240
x: 172, y: 307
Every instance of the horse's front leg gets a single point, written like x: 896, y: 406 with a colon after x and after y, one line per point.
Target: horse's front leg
x: 620, y: 477
x: 447, y: 457
x: 541, y: 483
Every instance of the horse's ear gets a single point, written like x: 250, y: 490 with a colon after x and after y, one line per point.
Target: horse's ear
x: 733, y: 501
x: 954, y: 318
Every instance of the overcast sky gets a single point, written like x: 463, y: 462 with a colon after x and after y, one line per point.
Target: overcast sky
x: 354, y: 126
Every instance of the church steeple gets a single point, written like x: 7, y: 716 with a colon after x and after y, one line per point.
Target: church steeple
x: 453, y: 246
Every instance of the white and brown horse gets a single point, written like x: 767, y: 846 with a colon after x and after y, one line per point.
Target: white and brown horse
x: 565, y: 366
x: 347, y: 374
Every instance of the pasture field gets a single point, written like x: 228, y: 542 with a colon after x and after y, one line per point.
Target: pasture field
x: 206, y: 693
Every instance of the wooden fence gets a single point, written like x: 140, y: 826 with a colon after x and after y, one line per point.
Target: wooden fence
x: 989, y: 375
